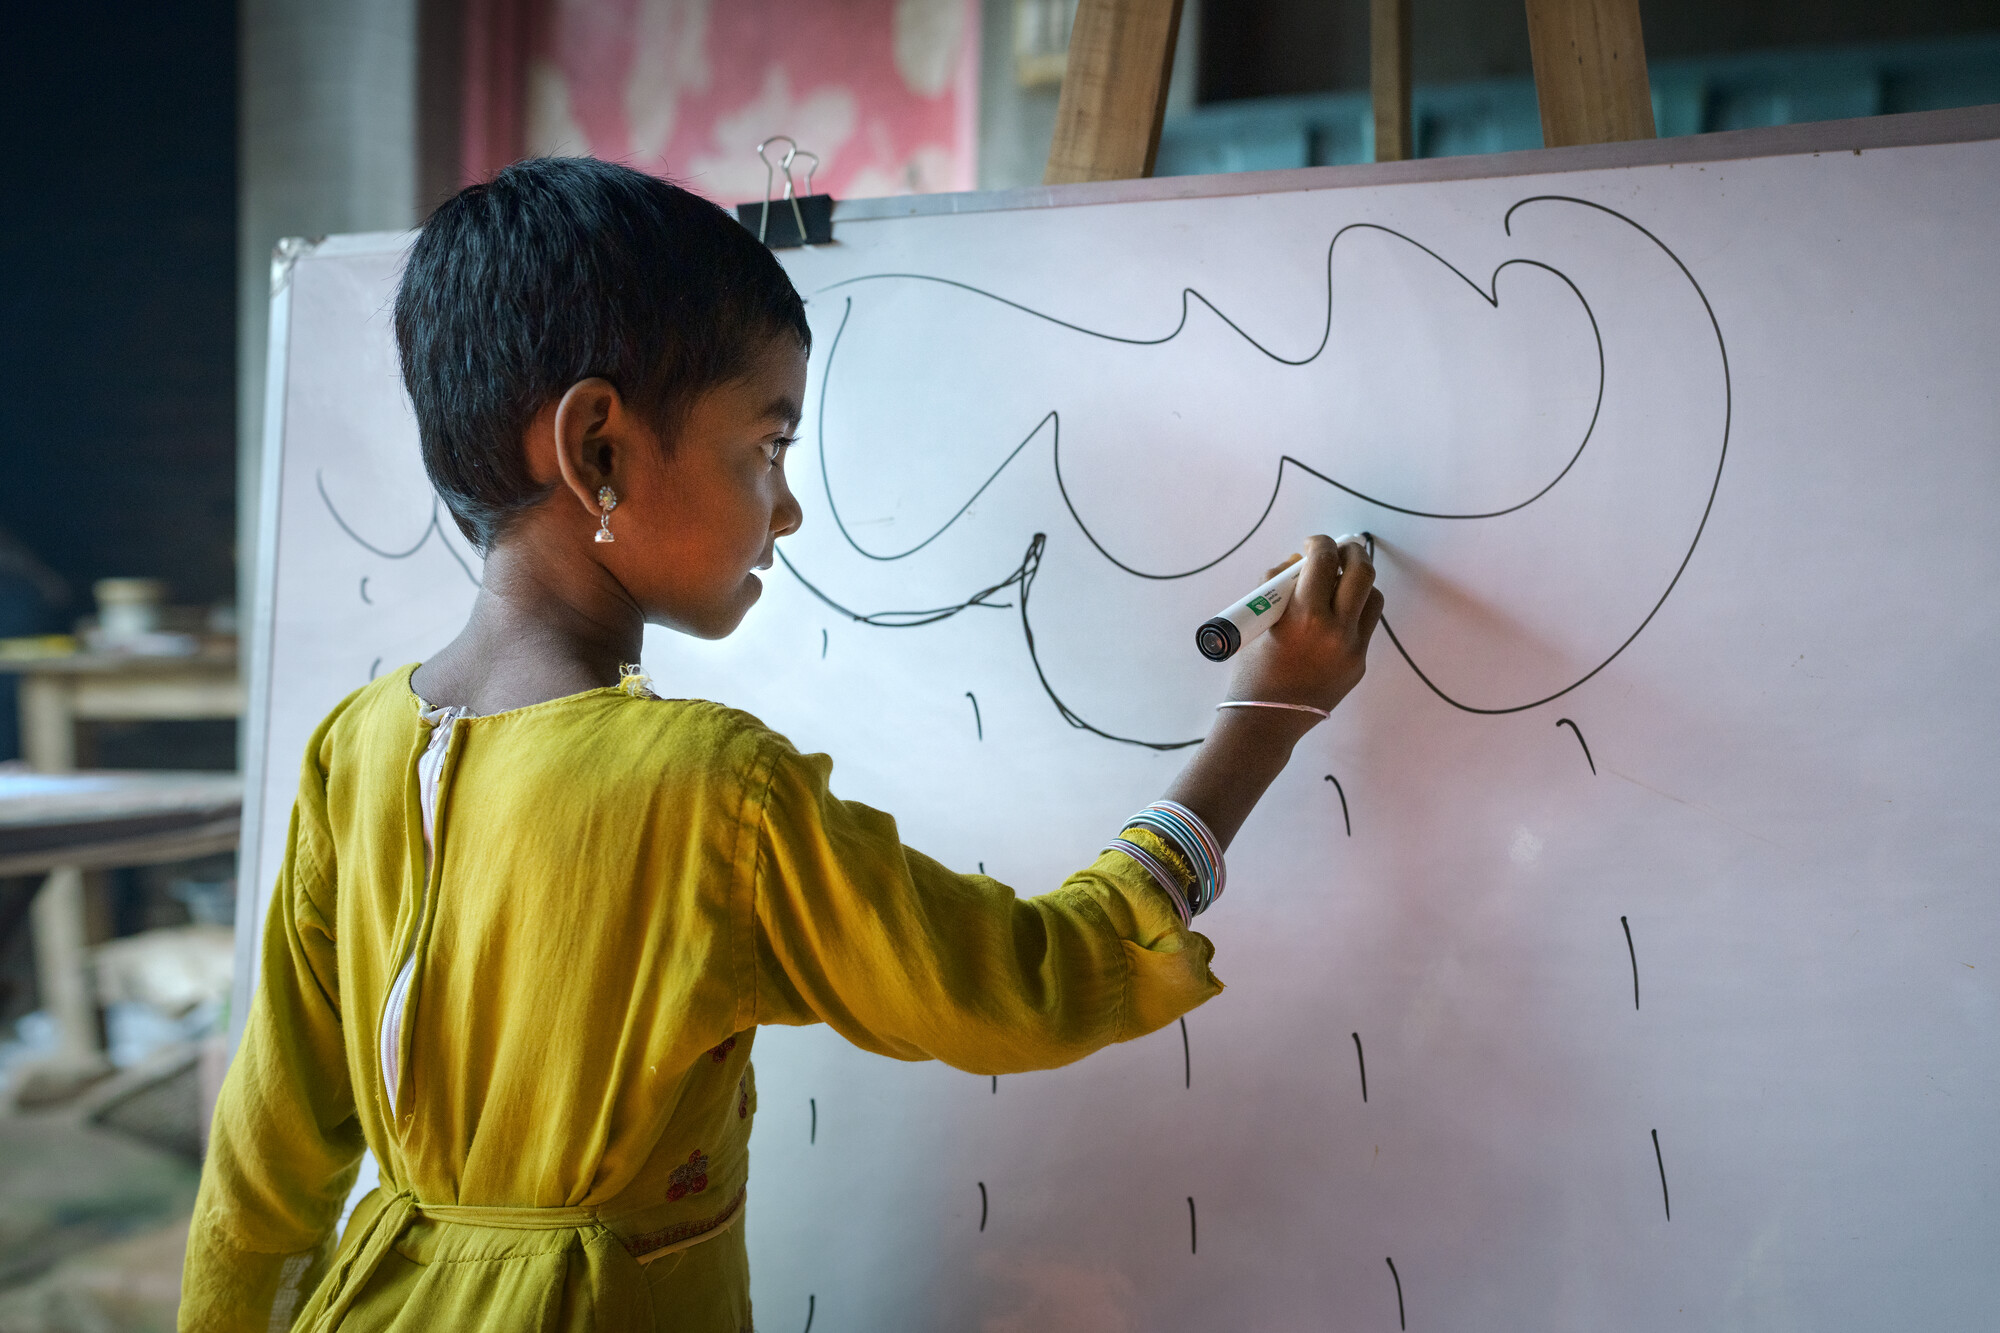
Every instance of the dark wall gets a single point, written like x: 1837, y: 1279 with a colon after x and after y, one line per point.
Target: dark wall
x: 118, y: 290
x: 1266, y: 48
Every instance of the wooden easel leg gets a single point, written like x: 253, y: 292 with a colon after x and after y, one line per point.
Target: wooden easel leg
x: 1389, y: 79
x: 1590, y: 71
x: 1114, y: 90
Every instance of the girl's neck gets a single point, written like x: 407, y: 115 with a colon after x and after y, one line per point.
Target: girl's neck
x: 540, y: 629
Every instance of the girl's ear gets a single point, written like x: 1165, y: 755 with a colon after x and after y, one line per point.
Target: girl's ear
x: 592, y: 434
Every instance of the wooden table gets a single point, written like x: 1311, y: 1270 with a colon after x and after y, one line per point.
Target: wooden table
x: 57, y: 693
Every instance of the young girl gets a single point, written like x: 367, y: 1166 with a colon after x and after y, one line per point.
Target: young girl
x: 532, y: 913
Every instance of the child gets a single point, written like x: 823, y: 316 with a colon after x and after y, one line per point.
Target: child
x: 531, y: 914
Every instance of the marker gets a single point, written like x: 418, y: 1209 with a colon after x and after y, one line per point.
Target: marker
x: 1221, y: 636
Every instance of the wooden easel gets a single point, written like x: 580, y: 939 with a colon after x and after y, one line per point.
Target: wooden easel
x: 1590, y: 78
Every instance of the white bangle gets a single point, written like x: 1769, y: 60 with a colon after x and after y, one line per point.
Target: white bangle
x: 1261, y: 703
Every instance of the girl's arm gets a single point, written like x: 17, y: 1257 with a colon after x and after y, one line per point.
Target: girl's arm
x: 908, y: 959
x: 285, y: 1142
x: 1314, y: 655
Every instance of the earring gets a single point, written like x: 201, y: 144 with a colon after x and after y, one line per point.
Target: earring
x: 607, y: 500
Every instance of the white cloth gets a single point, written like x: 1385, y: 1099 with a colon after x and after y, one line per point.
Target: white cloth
x: 430, y: 766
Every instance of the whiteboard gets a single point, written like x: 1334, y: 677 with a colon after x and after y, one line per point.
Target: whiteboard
x: 1621, y: 955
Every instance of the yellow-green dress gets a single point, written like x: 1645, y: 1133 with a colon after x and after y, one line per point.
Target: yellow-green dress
x: 621, y: 889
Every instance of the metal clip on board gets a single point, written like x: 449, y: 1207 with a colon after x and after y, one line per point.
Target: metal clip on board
x: 801, y: 219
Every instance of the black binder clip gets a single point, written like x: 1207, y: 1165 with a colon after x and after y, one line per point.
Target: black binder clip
x: 800, y: 219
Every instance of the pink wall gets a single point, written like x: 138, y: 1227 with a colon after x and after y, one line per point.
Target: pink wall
x: 885, y: 91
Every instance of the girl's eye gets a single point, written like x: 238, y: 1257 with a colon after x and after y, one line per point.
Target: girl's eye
x: 774, y: 450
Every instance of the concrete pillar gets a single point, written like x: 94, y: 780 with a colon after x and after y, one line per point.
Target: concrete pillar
x: 349, y: 123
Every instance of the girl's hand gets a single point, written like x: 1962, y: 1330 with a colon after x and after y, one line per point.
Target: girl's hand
x: 1318, y: 650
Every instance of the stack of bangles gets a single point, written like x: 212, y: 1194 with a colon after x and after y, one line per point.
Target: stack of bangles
x: 1171, y: 844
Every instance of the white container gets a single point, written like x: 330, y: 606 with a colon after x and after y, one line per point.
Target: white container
x: 128, y: 609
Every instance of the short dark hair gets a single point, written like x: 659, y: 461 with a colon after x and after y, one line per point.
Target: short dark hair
x: 557, y: 270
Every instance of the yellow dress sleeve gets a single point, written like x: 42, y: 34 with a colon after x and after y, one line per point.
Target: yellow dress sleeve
x: 285, y: 1142
x: 908, y: 959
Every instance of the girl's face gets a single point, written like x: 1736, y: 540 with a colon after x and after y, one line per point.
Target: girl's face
x: 694, y: 522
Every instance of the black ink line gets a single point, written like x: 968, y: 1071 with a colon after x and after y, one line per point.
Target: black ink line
x: 1193, y: 1247
x: 1565, y: 722
x: 814, y: 1103
x: 1492, y: 298
x: 975, y: 715
x: 1361, y: 1061
x: 364, y: 591
x: 982, y: 867
x: 1664, y: 1199
x: 982, y: 1205
x: 908, y: 619
x: 374, y: 667
x: 1401, y: 1322
x: 822, y: 645
x: 1343, y: 804
x: 431, y: 529
x: 1187, y: 1058
x: 1635, y: 960
x: 1490, y: 294
x: 996, y: 1085
x: 811, y: 1300
x: 1023, y: 577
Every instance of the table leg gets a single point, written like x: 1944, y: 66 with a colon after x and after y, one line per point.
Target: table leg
x: 62, y: 967
x: 62, y: 970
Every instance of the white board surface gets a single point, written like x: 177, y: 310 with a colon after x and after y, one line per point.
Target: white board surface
x: 1651, y: 871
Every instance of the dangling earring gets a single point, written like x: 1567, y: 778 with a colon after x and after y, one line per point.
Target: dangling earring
x: 607, y: 500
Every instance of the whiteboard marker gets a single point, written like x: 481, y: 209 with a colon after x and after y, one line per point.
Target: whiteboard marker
x: 1222, y: 636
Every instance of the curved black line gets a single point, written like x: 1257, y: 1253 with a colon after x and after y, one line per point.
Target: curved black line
x: 1663, y: 1176
x: 1566, y: 722
x: 1721, y: 460
x: 909, y: 619
x: 1401, y: 1322
x: 975, y: 715
x: 364, y: 590
x: 1193, y: 1238
x: 1031, y: 565
x: 319, y: 481
x: 431, y: 528
x: 1187, y: 1057
x: 1361, y: 1061
x: 811, y: 1301
x: 982, y: 1205
x: 1055, y: 417
x: 1022, y: 578
x: 1344, y: 818
x: 822, y: 645
x: 814, y: 1103
x: 905, y: 619
x: 374, y: 667
x: 1635, y: 960
x: 996, y: 1085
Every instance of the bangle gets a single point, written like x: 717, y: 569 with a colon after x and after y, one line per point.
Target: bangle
x: 1169, y: 882
x: 1183, y: 832
x: 1262, y: 703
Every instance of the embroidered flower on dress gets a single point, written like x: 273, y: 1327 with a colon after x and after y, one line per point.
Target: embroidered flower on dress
x: 721, y: 1053
x: 690, y: 1177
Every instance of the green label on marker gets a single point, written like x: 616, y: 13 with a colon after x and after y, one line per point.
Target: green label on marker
x: 1259, y: 605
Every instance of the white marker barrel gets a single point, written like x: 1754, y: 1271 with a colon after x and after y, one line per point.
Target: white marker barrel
x: 1223, y: 636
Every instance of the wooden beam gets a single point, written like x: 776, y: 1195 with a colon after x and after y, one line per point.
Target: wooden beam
x: 1389, y: 79
x: 1114, y: 90
x: 1590, y: 71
